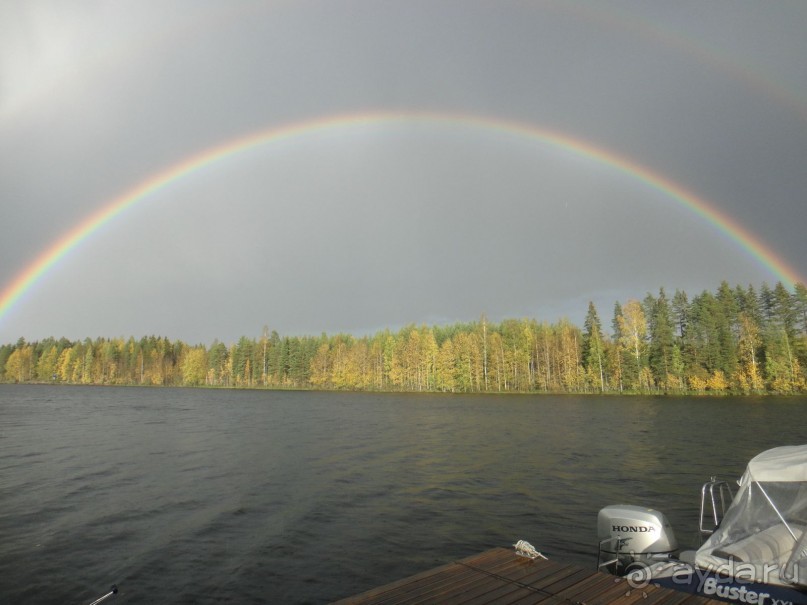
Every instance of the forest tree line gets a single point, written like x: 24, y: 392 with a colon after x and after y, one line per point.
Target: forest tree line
x: 731, y: 341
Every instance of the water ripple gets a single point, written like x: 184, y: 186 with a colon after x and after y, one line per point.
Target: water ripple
x: 209, y: 496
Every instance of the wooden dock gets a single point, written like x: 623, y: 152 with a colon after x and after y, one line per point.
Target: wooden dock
x: 503, y: 577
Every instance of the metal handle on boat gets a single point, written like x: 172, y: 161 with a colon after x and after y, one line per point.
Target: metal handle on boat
x: 113, y: 590
x: 716, y: 492
x: 618, y: 543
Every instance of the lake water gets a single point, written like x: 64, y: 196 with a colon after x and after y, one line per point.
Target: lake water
x: 217, y: 496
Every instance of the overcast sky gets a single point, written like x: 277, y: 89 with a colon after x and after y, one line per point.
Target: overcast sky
x: 381, y: 224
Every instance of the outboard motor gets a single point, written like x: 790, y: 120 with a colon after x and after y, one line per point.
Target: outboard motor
x: 633, y: 537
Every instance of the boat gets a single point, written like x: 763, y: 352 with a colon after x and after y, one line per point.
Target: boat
x: 754, y: 548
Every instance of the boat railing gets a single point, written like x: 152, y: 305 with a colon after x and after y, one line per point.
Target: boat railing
x: 716, y: 496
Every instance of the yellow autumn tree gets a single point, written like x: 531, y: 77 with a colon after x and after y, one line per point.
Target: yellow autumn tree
x: 717, y: 382
x: 446, y: 368
x: 64, y: 364
x: 633, y: 328
x: 19, y: 366
x: 748, y: 377
x: 46, y: 366
x: 697, y: 383
x: 194, y: 366
x: 321, y: 366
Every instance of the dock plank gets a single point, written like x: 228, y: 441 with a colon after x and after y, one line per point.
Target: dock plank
x: 477, y: 579
x: 520, y: 583
x: 502, y: 577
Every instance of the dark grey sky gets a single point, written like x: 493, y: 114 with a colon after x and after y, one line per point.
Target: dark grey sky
x: 383, y: 224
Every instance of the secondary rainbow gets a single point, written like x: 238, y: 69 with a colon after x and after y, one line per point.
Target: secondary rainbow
x: 754, y: 247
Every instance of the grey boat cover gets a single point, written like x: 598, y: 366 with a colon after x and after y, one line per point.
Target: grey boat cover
x: 760, y: 537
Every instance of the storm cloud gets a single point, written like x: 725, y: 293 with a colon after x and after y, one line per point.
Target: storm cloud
x: 384, y: 223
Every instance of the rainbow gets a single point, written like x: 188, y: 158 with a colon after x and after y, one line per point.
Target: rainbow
x: 747, y: 241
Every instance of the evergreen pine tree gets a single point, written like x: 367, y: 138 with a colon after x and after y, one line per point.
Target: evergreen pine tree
x: 661, y: 340
x: 592, y: 349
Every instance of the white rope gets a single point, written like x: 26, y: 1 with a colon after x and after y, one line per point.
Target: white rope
x: 525, y: 549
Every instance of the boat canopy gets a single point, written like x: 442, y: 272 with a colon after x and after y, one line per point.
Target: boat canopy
x: 780, y: 464
x: 762, y: 537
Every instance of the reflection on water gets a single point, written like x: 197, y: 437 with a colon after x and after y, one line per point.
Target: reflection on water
x: 184, y: 496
